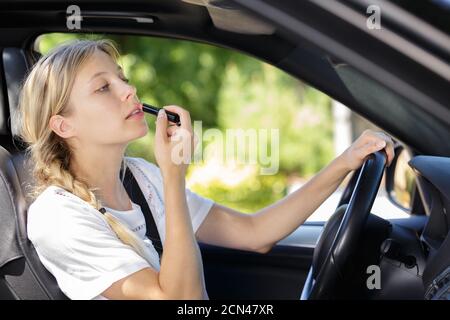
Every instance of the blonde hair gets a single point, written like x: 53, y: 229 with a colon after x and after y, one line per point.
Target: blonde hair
x: 45, y: 93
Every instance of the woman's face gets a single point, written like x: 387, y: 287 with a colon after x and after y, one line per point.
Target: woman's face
x: 99, y: 103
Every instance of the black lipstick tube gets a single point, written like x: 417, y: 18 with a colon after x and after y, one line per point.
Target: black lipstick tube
x: 171, y: 116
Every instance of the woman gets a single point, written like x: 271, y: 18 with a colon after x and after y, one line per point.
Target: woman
x: 78, y: 113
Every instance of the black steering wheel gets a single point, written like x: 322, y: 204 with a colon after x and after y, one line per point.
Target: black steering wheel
x: 339, y: 239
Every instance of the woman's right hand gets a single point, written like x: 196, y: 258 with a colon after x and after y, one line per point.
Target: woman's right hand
x: 174, y: 144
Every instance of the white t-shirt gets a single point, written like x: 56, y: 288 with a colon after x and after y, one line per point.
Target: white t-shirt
x: 76, y: 244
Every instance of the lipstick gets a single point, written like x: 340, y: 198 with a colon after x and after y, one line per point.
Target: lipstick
x: 171, y: 116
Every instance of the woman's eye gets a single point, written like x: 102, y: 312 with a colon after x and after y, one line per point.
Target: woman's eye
x: 104, y: 88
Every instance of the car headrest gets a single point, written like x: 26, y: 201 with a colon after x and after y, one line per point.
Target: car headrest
x: 16, y: 67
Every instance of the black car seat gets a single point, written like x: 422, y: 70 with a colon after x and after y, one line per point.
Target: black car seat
x: 22, y: 275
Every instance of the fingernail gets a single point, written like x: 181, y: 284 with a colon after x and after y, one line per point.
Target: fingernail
x: 161, y: 113
x: 381, y: 144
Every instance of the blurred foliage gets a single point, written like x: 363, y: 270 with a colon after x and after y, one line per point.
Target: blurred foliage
x: 226, y: 89
x: 273, y: 99
x: 253, y: 193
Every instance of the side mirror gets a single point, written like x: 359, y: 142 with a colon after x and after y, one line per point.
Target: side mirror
x: 400, y: 180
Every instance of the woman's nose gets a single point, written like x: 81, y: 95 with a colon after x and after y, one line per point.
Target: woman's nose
x: 129, y: 92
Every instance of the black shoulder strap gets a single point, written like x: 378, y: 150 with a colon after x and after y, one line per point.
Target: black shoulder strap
x: 135, y: 194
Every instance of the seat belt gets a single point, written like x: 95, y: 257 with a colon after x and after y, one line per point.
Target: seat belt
x: 135, y: 194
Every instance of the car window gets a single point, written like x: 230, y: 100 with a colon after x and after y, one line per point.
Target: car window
x: 404, y: 181
x: 262, y: 133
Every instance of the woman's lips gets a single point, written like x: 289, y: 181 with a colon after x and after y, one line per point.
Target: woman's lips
x: 139, y: 107
x: 137, y: 115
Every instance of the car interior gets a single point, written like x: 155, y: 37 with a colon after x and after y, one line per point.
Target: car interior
x: 317, y: 261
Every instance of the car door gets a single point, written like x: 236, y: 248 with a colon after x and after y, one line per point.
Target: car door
x: 278, y: 274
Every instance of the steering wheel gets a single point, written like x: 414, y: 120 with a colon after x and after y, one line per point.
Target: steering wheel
x: 339, y: 239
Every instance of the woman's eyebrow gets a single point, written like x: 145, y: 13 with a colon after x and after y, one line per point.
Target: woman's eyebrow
x: 119, y: 68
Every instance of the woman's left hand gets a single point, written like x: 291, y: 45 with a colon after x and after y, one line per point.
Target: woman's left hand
x: 369, y: 142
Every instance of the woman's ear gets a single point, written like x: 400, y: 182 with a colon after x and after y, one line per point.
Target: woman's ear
x: 61, y: 126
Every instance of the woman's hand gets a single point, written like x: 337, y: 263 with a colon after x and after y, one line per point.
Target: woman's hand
x: 174, y: 144
x: 369, y: 142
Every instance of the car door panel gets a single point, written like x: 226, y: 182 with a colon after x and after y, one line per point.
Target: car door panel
x: 278, y: 274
